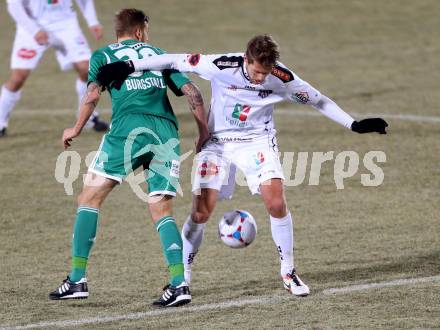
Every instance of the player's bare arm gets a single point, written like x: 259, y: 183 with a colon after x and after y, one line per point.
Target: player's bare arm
x: 87, y: 8
x: 88, y: 104
x: 197, y: 107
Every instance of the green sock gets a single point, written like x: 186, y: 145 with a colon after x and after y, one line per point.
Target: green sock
x: 84, y: 233
x: 172, y: 248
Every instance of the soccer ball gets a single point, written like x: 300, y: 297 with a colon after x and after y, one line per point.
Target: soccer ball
x: 237, y: 229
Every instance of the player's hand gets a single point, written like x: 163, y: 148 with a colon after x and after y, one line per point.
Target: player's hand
x: 370, y: 125
x: 200, y: 142
x: 68, y: 135
x: 114, y: 74
x: 97, y: 31
x: 41, y: 37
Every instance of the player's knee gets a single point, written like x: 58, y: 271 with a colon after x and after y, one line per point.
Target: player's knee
x: 82, y: 68
x: 203, y: 206
x: 200, y: 216
x: 85, y: 198
x: 83, y: 76
x: 16, y: 80
x: 277, y: 207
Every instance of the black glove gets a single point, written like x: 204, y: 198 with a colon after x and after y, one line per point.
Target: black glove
x: 370, y: 125
x: 114, y: 74
x: 170, y: 83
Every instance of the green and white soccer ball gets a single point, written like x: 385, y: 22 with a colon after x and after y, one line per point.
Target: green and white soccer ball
x: 237, y: 229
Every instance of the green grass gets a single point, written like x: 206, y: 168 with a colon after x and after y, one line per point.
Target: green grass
x: 370, y: 56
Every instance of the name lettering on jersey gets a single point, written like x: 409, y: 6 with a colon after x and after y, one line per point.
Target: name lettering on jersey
x: 226, y: 62
x: 144, y: 83
x: 282, y: 73
x: 194, y: 59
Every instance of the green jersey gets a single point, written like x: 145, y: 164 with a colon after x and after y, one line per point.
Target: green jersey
x: 142, y: 92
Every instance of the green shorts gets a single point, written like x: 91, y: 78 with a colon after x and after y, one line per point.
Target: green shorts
x: 138, y: 140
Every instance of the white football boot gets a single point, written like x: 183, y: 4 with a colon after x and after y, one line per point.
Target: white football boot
x: 294, y: 285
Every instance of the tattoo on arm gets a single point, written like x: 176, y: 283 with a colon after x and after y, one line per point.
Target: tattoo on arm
x: 193, y: 94
x: 92, y: 95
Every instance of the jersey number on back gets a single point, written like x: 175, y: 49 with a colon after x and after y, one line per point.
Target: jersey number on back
x: 131, y: 54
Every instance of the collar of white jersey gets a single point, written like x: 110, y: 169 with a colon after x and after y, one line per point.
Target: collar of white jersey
x: 244, y: 71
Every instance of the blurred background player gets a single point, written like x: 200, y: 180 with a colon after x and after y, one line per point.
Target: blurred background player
x: 42, y: 24
x: 143, y: 133
x: 245, y: 87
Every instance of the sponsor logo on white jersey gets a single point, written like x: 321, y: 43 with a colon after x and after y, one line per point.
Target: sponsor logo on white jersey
x: 239, y: 115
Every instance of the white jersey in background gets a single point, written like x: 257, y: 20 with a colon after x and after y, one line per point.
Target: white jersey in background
x: 241, y: 110
x: 44, y: 24
x: 49, y: 15
x: 58, y: 19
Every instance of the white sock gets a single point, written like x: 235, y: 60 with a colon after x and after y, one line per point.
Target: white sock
x: 8, y: 100
x: 81, y: 90
x: 282, y: 234
x: 192, y: 236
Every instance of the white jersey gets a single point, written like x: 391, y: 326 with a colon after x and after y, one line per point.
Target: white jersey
x: 242, y: 112
x: 239, y: 109
x: 49, y: 15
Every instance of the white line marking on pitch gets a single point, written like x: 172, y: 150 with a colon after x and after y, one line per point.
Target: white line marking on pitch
x: 360, y: 287
x: 50, y: 112
x: 289, y: 112
x: 262, y: 300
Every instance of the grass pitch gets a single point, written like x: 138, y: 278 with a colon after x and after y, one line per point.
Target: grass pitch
x: 370, y: 56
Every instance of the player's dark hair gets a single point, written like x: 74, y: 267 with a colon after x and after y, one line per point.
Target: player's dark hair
x: 128, y: 20
x: 263, y: 49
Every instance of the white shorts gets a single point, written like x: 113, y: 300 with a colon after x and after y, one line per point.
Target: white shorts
x: 215, y: 166
x: 69, y: 43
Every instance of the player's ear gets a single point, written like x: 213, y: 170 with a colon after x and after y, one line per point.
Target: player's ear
x: 138, y: 33
x: 146, y: 29
x: 246, y: 60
